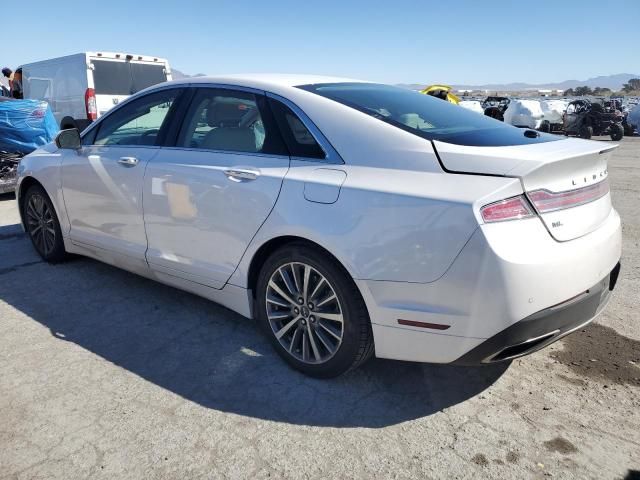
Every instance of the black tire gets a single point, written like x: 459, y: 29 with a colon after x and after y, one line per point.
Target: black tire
x: 356, y: 345
x: 67, y: 123
x: 38, y: 213
x: 586, y: 132
x: 545, y: 126
x: 616, y: 132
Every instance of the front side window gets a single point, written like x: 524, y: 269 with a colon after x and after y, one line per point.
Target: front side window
x: 139, y: 122
x: 424, y: 115
x: 229, y: 120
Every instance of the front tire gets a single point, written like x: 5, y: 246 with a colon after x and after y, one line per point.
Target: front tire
x: 42, y: 225
x: 616, y: 132
x: 312, y: 312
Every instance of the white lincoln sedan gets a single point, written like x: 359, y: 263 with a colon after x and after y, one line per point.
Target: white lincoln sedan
x: 349, y: 218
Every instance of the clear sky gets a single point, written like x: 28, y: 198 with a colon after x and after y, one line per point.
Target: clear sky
x: 394, y: 41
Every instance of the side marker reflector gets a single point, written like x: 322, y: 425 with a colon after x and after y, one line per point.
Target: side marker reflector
x: 414, y: 323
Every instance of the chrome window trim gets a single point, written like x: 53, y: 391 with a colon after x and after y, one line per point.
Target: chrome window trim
x: 229, y: 152
x: 331, y: 155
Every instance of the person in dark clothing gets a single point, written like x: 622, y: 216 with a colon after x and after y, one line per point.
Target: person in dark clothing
x: 16, y: 85
x: 5, y: 82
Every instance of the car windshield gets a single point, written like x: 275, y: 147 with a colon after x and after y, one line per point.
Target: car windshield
x: 426, y: 116
x: 125, y: 78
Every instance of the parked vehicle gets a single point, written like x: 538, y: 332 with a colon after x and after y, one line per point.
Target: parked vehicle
x: 586, y: 118
x: 495, y: 107
x: 553, y: 113
x: 348, y: 218
x: 81, y: 88
x: 616, y: 105
x: 634, y: 117
x: 473, y: 105
x: 25, y: 125
x: 443, y: 92
x: 524, y: 114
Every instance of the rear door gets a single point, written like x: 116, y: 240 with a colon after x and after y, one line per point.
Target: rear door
x: 115, y: 80
x: 206, y: 196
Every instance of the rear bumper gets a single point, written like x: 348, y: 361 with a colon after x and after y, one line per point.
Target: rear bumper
x: 512, y: 283
x: 544, y: 327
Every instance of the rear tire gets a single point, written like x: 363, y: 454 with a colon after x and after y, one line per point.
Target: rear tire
x: 586, y: 132
x: 616, y: 132
x: 314, y: 333
x: 42, y: 225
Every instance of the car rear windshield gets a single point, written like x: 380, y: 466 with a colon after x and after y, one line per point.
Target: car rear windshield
x: 125, y: 78
x: 426, y: 116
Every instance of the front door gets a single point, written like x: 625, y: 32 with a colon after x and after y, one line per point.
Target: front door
x: 206, y: 197
x: 102, y: 183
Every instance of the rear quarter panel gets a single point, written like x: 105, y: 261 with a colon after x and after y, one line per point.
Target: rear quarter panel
x: 387, y: 224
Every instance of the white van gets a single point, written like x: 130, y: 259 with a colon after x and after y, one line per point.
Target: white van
x: 82, y: 87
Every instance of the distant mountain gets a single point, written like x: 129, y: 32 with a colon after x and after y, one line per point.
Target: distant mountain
x: 177, y: 74
x: 614, y: 82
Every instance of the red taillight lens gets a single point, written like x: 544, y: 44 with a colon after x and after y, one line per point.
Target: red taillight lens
x: 90, y: 103
x: 546, y: 201
x: 512, y: 208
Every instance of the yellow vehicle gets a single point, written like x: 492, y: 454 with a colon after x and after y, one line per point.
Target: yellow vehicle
x: 441, y: 91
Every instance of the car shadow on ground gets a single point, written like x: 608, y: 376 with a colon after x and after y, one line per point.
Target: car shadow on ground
x: 216, y: 358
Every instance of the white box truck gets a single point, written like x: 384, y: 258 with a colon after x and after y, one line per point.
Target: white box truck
x: 82, y: 87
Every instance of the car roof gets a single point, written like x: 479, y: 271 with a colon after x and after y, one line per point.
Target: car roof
x: 265, y: 81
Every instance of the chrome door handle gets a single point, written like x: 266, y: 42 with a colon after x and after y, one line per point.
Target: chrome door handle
x: 239, y: 174
x: 128, y: 161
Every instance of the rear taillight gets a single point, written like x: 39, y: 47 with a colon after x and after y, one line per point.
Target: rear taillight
x: 90, y: 104
x: 513, y: 208
x: 546, y: 201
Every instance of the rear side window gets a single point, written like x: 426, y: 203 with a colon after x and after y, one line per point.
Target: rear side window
x: 229, y: 120
x: 425, y: 116
x: 299, y: 140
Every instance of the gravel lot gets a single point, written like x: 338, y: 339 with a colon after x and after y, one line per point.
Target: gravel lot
x: 107, y: 375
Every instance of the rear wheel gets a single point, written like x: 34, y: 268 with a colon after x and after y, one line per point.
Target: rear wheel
x: 616, y: 132
x: 312, y: 312
x: 42, y: 225
x: 586, y: 132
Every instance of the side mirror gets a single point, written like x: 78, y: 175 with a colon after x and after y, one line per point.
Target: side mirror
x: 69, y: 139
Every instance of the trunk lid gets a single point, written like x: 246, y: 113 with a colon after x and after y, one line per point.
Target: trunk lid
x: 566, y: 180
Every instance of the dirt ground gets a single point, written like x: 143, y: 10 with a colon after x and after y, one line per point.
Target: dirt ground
x: 107, y: 375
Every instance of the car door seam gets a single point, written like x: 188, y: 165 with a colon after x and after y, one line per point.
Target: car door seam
x: 260, y: 227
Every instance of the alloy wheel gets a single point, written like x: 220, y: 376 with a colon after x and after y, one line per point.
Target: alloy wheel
x: 304, y: 312
x: 40, y: 224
